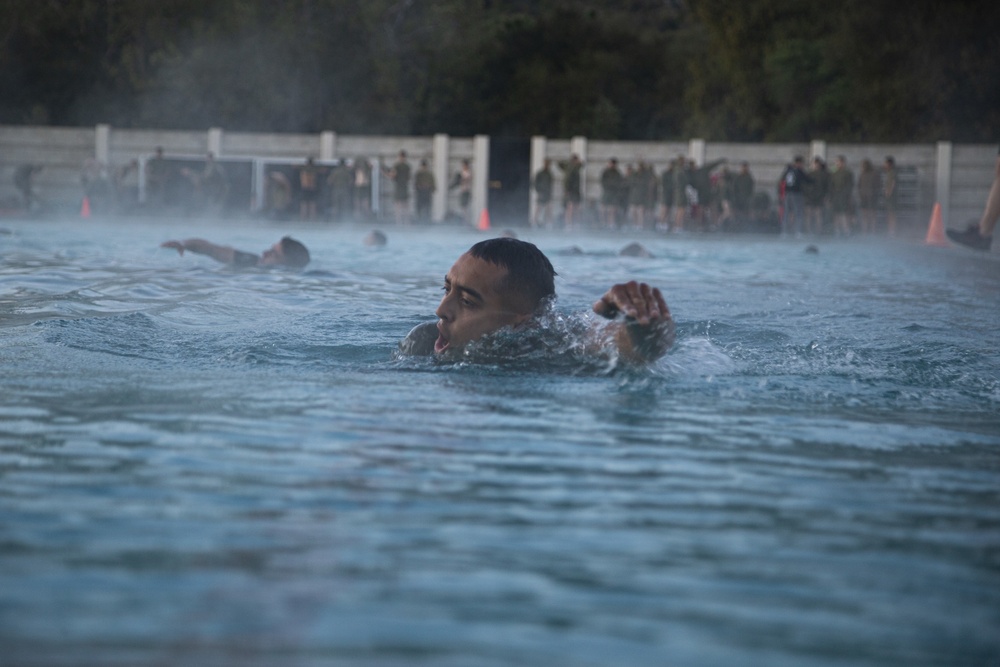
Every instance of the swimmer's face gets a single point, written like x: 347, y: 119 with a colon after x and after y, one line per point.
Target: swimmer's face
x: 273, y: 255
x: 472, y: 306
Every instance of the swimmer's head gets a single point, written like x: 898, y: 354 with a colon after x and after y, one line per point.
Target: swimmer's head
x: 287, y: 252
x: 635, y: 250
x: 375, y: 238
x: 296, y: 254
x: 498, y: 283
x: 529, y: 276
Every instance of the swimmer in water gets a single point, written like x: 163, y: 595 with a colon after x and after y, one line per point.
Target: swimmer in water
x: 286, y: 252
x: 375, y: 239
x: 505, y: 282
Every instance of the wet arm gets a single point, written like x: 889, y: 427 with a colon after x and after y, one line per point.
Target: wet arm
x: 224, y: 254
x: 647, y: 330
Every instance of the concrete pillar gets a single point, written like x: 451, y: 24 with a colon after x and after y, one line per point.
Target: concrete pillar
x: 215, y: 141
x: 327, y: 145
x: 439, y: 203
x: 480, y: 176
x: 102, y: 143
x: 817, y: 149
x: 696, y: 151
x: 539, y: 148
x: 942, y: 183
x: 578, y: 146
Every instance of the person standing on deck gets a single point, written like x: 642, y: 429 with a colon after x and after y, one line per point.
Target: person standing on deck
x: 793, y: 182
x: 890, y: 194
x: 308, y: 190
x: 400, y: 176
x: 841, y: 196
x: 572, y: 188
x: 542, y: 184
x: 868, y: 187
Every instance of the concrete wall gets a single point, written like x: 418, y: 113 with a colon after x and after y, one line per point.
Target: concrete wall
x: 959, y: 180
x: 61, y: 151
x: 956, y: 175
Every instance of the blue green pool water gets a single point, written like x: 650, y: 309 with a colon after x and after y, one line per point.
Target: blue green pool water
x: 199, y: 466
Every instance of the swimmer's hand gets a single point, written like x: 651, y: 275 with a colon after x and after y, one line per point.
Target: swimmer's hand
x: 637, y: 301
x: 176, y: 245
x: 648, y: 329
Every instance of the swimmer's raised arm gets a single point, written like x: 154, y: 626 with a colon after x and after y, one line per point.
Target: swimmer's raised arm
x: 220, y: 253
x: 647, y: 330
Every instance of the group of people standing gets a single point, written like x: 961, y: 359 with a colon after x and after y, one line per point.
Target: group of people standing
x: 312, y: 191
x: 344, y: 191
x: 683, y: 195
x: 185, y: 185
x: 819, y: 200
x: 713, y: 197
x: 424, y: 185
x: 543, y: 183
x: 831, y: 200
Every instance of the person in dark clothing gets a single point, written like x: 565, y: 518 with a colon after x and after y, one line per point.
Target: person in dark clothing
x: 841, y: 196
x: 542, y: 183
x: 817, y: 195
x: 340, y: 183
x: 24, y: 181
x: 400, y: 174
x: 890, y: 194
x: 701, y: 179
x: 791, y: 187
x: 666, y: 187
x: 612, y: 183
x: 743, y: 186
x: 308, y: 189
x: 424, y: 185
x: 572, y: 188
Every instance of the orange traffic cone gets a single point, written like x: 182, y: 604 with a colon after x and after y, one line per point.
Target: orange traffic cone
x: 85, y: 209
x: 935, y: 231
x: 484, y: 221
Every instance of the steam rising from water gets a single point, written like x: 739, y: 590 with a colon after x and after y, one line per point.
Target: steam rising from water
x: 817, y: 451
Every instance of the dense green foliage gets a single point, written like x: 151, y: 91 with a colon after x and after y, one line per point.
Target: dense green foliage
x: 857, y: 70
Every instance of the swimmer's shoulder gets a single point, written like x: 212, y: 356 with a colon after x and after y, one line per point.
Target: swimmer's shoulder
x: 420, y: 341
x: 243, y: 260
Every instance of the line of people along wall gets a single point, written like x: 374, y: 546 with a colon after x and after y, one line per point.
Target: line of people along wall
x: 446, y: 179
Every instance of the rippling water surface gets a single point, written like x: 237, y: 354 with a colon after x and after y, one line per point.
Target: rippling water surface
x: 200, y: 466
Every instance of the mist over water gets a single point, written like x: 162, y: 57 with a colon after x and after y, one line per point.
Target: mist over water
x: 201, y: 465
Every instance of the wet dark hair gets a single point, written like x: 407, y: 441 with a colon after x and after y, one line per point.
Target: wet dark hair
x: 296, y: 254
x: 530, y: 275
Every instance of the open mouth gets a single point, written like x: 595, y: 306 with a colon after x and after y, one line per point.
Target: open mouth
x: 442, y: 342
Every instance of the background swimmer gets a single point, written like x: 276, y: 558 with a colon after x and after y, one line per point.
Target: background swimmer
x: 375, y: 238
x: 286, y: 252
x: 635, y: 250
x: 504, y: 282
